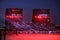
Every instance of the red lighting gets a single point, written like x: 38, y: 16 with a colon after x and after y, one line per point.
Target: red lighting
x: 13, y: 17
x: 13, y: 10
x: 35, y: 16
x: 20, y: 17
x: 33, y: 37
x: 9, y: 17
x: 45, y: 17
x: 39, y: 17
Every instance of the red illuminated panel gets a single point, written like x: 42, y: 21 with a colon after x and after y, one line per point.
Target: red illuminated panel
x: 13, y: 14
x: 41, y: 15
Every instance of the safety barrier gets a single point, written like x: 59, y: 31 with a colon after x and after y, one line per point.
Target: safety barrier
x: 33, y: 32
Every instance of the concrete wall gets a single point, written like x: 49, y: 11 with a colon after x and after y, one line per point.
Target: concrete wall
x: 28, y: 5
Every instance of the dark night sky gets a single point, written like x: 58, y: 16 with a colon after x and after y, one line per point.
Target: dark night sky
x: 28, y: 5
